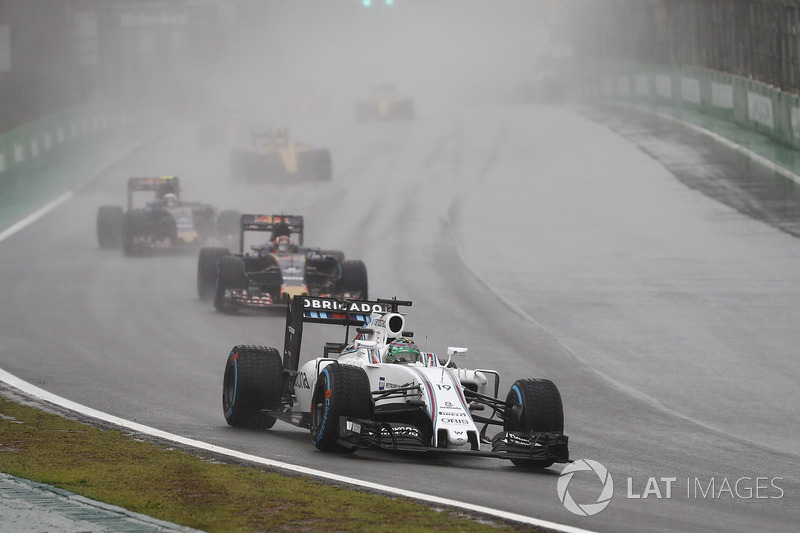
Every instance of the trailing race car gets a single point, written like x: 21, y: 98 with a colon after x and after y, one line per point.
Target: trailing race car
x: 273, y: 272
x: 166, y: 223
x: 384, y: 104
x: 381, y: 391
x: 275, y: 158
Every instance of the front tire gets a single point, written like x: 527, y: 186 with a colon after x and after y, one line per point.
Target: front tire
x: 341, y: 390
x: 534, y: 405
x: 253, y: 382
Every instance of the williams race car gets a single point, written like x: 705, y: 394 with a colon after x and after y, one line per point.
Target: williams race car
x: 381, y: 391
x: 273, y: 272
x: 166, y: 223
x: 274, y: 158
x: 384, y: 104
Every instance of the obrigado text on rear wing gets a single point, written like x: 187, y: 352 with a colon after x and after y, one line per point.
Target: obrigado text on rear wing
x: 321, y: 310
x: 311, y: 303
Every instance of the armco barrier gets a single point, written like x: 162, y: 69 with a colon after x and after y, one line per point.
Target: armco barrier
x: 751, y: 104
x: 43, y: 159
x: 56, y: 134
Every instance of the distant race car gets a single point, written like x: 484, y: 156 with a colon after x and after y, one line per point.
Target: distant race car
x: 166, y: 223
x: 274, y: 158
x: 271, y: 273
x: 384, y: 104
x: 381, y: 391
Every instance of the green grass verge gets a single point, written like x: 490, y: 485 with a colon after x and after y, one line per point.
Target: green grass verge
x: 188, y: 489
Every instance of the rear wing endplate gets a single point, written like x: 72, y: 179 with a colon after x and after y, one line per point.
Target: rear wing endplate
x: 316, y: 309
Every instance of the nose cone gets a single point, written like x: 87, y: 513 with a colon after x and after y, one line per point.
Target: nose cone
x: 455, y: 439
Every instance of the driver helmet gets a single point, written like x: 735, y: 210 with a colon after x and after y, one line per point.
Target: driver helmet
x: 170, y: 199
x: 403, y: 350
x: 283, y: 244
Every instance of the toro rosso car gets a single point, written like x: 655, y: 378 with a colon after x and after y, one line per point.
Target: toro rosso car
x: 273, y: 272
x: 380, y: 390
x: 274, y: 158
x: 166, y: 223
x: 384, y: 104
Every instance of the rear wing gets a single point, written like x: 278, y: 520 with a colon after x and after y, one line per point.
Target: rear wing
x: 294, y: 223
x: 161, y: 185
x: 320, y: 310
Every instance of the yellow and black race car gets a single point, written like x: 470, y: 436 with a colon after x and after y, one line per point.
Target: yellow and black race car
x: 274, y: 157
x: 384, y: 104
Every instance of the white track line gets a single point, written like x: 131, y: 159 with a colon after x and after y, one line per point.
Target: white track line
x: 42, y: 211
x: 36, y: 215
x: 770, y: 164
x: 44, y: 396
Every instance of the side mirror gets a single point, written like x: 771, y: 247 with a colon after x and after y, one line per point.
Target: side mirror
x: 454, y: 350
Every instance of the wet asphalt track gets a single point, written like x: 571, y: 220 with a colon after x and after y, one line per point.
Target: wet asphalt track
x: 547, y: 244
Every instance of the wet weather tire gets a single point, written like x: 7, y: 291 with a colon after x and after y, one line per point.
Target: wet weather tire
x: 134, y: 227
x: 534, y: 405
x: 253, y: 382
x: 323, y: 165
x: 207, y: 271
x: 341, y: 390
x: 110, y: 219
x: 354, y: 282
x: 230, y: 276
x: 228, y: 223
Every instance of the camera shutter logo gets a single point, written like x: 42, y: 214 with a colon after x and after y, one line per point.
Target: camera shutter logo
x: 586, y: 509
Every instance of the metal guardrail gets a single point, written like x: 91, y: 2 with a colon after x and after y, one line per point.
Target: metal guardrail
x: 60, y: 132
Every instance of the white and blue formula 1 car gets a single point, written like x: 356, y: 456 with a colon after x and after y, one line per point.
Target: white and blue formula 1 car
x: 380, y: 391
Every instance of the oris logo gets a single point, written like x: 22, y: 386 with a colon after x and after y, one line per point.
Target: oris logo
x: 586, y: 509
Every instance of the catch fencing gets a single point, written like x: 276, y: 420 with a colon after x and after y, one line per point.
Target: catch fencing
x: 753, y: 39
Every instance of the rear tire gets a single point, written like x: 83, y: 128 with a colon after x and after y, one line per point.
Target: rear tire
x: 341, y: 390
x: 228, y: 223
x: 134, y: 227
x: 230, y: 276
x: 268, y: 168
x: 354, y: 281
x: 110, y: 219
x: 253, y: 382
x: 323, y: 165
x: 534, y: 405
x: 207, y: 271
